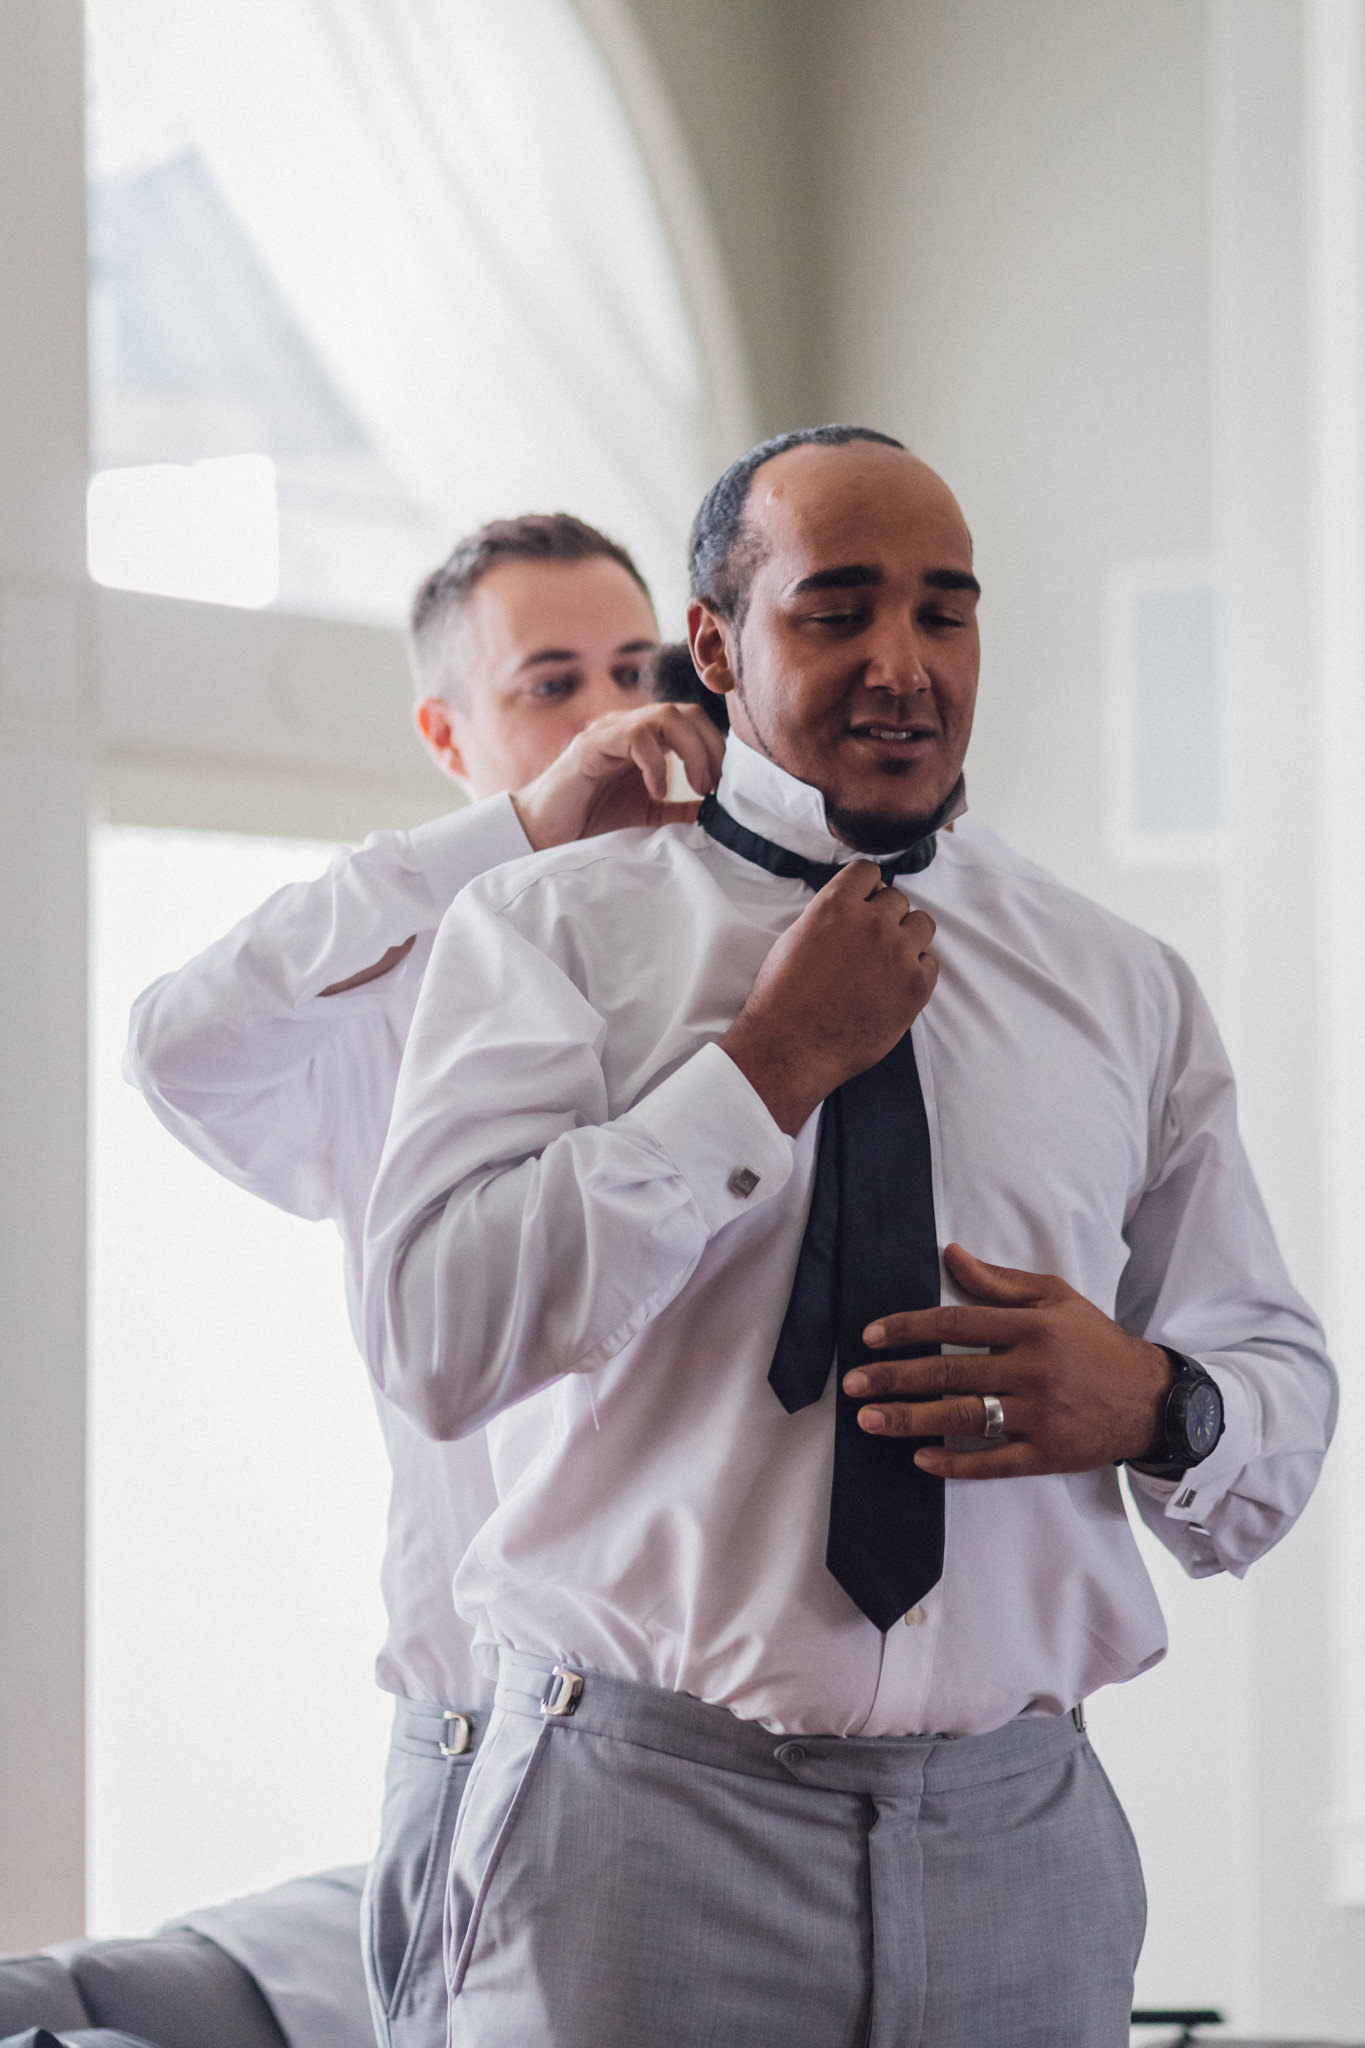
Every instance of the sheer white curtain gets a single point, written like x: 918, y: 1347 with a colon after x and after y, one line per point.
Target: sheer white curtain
x: 451, y: 200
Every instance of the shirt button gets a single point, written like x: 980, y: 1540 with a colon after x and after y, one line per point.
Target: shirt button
x: 742, y: 1182
x: 914, y: 1617
x: 791, y: 1754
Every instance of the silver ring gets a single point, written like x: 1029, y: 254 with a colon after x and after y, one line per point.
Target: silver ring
x: 995, y: 1417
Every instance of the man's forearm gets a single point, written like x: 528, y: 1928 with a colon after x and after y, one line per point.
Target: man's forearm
x: 484, y: 1284
x: 225, y: 1050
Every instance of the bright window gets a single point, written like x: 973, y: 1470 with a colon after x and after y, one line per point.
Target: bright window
x: 409, y: 253
x: 238, y: 1478
x: 208, y: 530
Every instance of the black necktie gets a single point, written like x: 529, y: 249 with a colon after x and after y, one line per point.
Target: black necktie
x: 870, y: 1248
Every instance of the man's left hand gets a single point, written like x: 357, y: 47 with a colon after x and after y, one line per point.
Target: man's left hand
x: 1077, y: 1391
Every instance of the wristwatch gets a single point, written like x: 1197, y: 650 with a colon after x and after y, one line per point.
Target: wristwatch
x: 1191, y: 1422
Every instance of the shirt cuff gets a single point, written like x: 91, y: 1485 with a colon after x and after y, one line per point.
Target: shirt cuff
x: 1194, y: 1496
x: 719, y: 1134
x: 452, y: 850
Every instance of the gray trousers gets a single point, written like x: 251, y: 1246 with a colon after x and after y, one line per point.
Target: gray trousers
x: 404, y: 1898
x: 648, y: 1869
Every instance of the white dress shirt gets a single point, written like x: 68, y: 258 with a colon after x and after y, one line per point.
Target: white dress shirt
x: 559, y: 1247
x: 288, y: 1094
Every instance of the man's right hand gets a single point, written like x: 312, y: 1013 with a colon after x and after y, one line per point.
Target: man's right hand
x: 615, y: 773
x: 839, y: 989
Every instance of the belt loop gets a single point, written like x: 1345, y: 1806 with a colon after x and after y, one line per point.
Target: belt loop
x: 561, y: 1694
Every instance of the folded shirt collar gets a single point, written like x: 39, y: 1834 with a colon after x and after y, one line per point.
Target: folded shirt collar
x: 759, y: 794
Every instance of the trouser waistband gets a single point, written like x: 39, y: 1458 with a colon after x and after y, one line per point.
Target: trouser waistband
x: 425, y: 1728
x: 593, y: 1703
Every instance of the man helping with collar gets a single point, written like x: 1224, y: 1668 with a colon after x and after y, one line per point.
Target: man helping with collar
x: 274, y: 1055
x: 791, y: 1597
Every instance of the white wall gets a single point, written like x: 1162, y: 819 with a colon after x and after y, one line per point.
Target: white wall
x: 1023, y: 274
x: 1015, y: 279
x: 1288, y: 111
x: 736, y: 76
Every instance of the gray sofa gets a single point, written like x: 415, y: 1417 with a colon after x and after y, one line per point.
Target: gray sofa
x: 280, y: 1969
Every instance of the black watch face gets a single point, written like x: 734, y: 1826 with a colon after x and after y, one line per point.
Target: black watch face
x: 1203, y: 1418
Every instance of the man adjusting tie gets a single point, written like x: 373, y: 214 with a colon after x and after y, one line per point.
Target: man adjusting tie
x: 822, y: 1206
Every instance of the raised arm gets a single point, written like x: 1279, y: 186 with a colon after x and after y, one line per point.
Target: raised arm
x: 235, y: 1051
x: 518, y: 1229
x: 257, y: 1055
x: 524, y: 1224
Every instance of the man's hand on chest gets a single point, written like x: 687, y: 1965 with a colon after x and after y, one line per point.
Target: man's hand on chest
x: 1074, y: 1390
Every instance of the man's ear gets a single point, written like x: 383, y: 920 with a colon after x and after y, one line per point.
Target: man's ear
x: 432, y: 719
x: 711, y: 641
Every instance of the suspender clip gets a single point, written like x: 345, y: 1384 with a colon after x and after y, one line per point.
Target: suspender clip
x: 561, y: 1692
x: 459, y: 1734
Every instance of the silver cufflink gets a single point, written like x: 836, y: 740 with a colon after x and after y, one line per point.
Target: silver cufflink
x: 742, y: 1182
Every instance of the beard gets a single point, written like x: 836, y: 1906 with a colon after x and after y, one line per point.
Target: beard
x: 871, y: 832
x: 879, y: 833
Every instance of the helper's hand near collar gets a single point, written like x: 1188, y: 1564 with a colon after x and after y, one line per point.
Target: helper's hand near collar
x: 615, y: 773
x: 1077, y: 1391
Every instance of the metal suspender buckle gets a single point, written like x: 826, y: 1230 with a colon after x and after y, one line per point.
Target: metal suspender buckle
x: 561, y: 1692
x: 459, y: 1734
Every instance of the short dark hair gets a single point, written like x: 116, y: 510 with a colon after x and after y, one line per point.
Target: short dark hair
x: 672, y: 678
x: 532, y: 537
x: 722, y: 550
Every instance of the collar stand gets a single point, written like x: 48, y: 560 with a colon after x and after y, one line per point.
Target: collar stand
x: 766, y: 799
